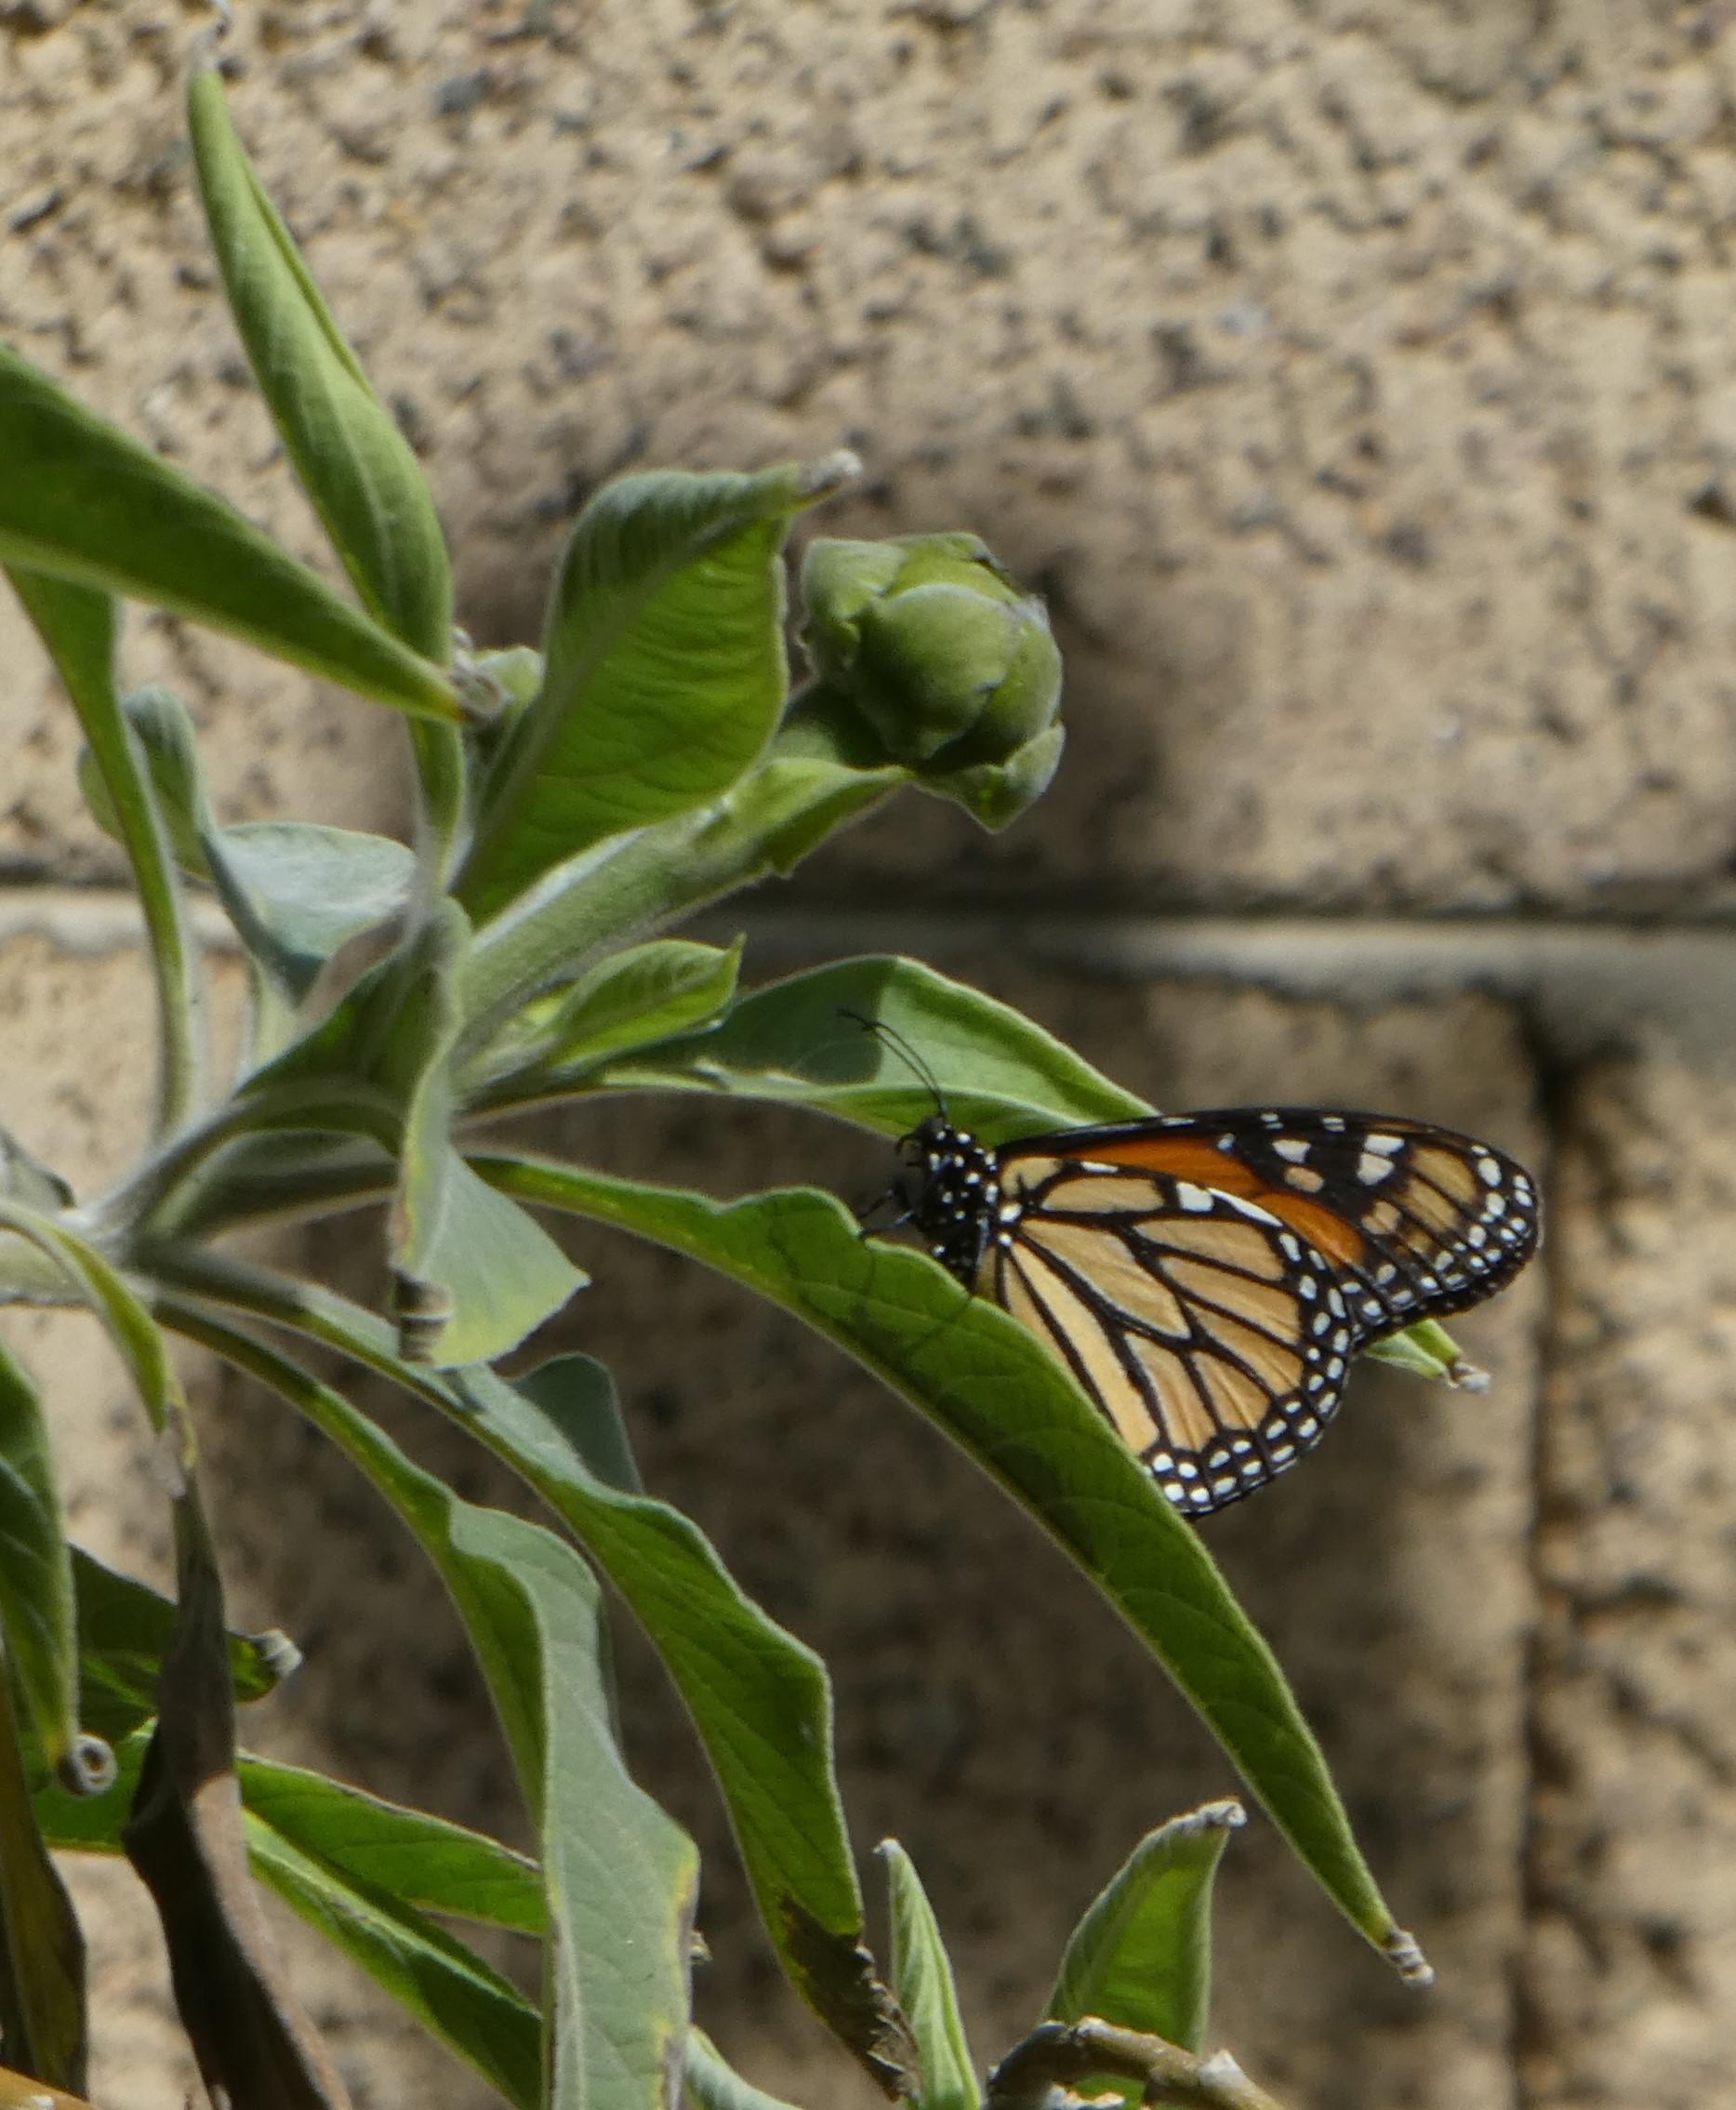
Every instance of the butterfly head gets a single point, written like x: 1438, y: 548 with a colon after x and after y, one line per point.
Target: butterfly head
x: 949, y: 1188
x: 950, y: 1192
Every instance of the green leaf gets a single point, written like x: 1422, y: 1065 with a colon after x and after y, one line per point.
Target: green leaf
x: 83, y: 501
x: 42, y: 1951
x: 633, y: 884
x: 79, y: 626
x: 630, y: 1000
x: 502, y: 1271
x: 1002, y: 1076
x: 1427, y: 1350
x: 163, y: 727
x: 620, y: 1876
x: 427, y: 1862
x: 922, y: 1976
x: 714, y: 2084
x: 664, y: 671
x: 35, y: 1572
x: 135, y: 1333
x: 670, y: 985
x: 24, y: 1177
x: 355, y: 464
x: 294, y: 891
x: 622, y: 1880
x: 310, y: 889
x: 431, y: 1864
x: 417, y: 1003
x: 991, y: 1387
x: 366, y: 1874
x: 434, y: 1977
x: 758, y: 1698
x: 1142, y: 1955
x: 123, y: 1633
x: 475, y: 1274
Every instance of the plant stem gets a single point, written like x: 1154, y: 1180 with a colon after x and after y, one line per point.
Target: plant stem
x: 1041, y: 2069
x: 631, y: 884
x: 80, y: 627
x: 333, y: 1105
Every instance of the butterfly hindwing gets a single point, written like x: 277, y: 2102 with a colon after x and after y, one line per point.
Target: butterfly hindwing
x: 1214, y: 1339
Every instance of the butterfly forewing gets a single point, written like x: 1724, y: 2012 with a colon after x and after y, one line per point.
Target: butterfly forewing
x: 1418, y: 1221
x: 1208, y: 1277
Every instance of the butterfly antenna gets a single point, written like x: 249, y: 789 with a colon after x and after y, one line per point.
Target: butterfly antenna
x: 902, y: 1048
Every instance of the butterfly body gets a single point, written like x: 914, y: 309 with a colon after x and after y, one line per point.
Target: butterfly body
x: 1209, y: 1276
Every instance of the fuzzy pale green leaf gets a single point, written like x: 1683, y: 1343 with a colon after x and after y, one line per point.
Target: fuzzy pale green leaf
x: 82, y: 500
x: 921, y: 1977
x: 798, y: 1042
x: 1141, y: 1955
x: 355, y: 464
x: 664, y: 669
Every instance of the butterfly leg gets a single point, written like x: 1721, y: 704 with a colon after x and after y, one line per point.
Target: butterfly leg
x: 893, y: 1198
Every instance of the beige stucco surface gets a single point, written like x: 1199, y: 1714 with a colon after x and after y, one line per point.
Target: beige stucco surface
x: 1354, y: 379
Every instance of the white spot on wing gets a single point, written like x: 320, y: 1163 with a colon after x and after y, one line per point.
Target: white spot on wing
x: 1197, y: 1198
x: 1292, y: 1148
x: 1370, y: 1170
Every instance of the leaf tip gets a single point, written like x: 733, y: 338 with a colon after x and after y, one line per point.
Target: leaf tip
x: 204, y: 55
x: 277, y: 1652
x: 831, y: 472
x: 1405, y: 1953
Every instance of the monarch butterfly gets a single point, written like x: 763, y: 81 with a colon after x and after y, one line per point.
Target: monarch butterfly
x: 1208, y: 1277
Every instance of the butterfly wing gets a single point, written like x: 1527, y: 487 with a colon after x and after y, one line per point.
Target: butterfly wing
x: 1209, y: 1276
x: 1214, y: 1339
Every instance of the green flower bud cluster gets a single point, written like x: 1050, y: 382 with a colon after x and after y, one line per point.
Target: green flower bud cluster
x: 940, y: 663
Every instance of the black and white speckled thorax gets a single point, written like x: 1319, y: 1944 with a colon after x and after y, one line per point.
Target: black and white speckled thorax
x: 955, y: 1196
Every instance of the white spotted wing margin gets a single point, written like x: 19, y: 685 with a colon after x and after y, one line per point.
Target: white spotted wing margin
x: 1214, y: 1339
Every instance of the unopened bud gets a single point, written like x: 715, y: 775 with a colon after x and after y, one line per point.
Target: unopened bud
x: 947, y: 665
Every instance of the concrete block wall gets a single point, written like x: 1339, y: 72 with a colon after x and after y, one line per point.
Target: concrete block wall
x: 1354, y: 380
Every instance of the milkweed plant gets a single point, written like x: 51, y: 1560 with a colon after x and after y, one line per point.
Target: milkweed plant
x: 574, y: 802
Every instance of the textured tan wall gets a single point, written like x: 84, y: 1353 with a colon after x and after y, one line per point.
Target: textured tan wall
x: 1355, y: 379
